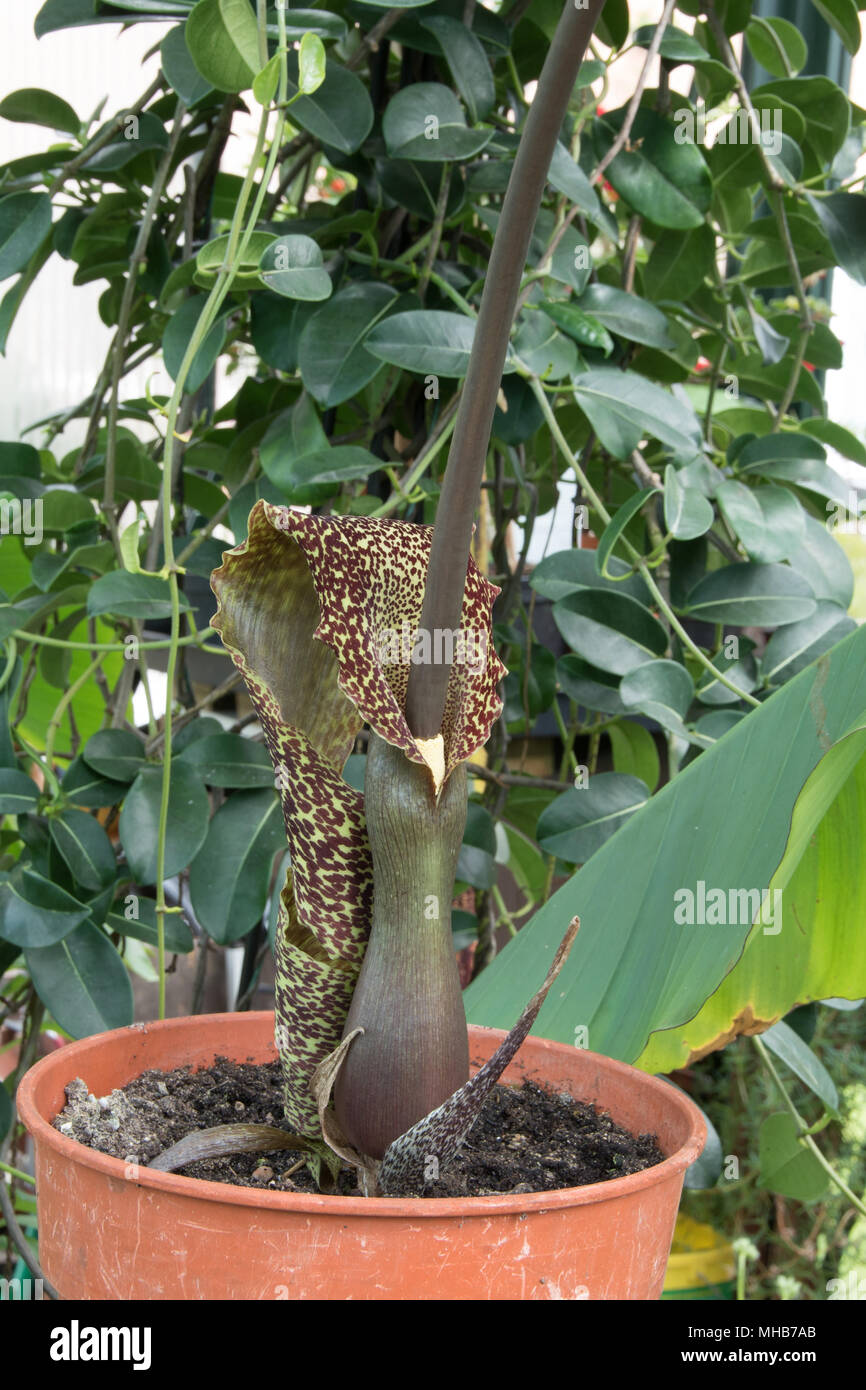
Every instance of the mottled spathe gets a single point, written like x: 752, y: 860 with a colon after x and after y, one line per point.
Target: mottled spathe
x: 300, y: 606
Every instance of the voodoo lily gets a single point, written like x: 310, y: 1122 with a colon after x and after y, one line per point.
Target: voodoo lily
x: 327, y: 619
x: 320, y: 615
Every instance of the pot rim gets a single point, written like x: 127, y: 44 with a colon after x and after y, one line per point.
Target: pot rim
x: 63, y: 1147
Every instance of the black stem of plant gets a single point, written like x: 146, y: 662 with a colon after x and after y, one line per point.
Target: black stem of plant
x: 446, y: 575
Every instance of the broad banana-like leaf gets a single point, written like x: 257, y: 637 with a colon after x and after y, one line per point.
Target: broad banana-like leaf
x: 820, y: 950
x: 319, y: 615
x: 723, y: 823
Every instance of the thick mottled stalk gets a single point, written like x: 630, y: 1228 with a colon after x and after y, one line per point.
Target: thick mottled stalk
x: 414, y: 1051
x: 425, y: 697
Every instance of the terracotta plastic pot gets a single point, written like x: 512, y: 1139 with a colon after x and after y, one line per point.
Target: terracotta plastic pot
x: 108, y: 1230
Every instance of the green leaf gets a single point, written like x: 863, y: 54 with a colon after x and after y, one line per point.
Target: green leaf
x: 582, y: 327
x: 266, y: 82
x: 837, y: 436
x: 768, y: 520
x: 824, y: 107
x: 467, y: 60
x: 545, y: 351
x: 662, y: 690
x: 84, y: 847
x: 177, y: 336
x: 685, y: 834
x: 332, y: 356
x: 188, y: 812
x: 773, y: 345
x: 312, y: 64
x: 432, y: 341
x: 142, y: 927
x: 230, y: 875
x: 843, y: 217
x: 566, y: 571
x: 128, y: 143
x: 116, y: 754
x: 227, y: 760
x: 797, y: 645
x: 212, y: 255
x: 627, y: 315
x: 843, y: 17
x: 35, y: 106
x: 36, y: 912
x: 84, y: 787
x: 83, y: 982
x: 526, y: 864
x: 528, y: 693
x: 777, y: 45
x: 327, y: 468
x: 676, y: 45
x: 579, y: 822
x: 566, y: 176
x: 14, y: 296
x: 815, y: 947
x: 476, y: 862
x: 292, y: 266
x: 612, y: 631
x: 667, y: 182
x: 590, y: 687
x: 787, y: 1167
x: 634, y: 752
x: 624, y: 408
x: 679, y: 263
x: 25, y: 220
x: 425, y: 122
x: 322, y: 22
x: 339, y: 112
x: 126, y: 595
x: 276, y: 326
x: 784, y: 1043
x: 751, y: 595
x: 824, y: 565
x: 741, y: 670
x: 18, y: 792
x: 688, y: 513
x: 180, y: 69
x: 617, y: 525
x: 19, y: 459
x: 222, y: 37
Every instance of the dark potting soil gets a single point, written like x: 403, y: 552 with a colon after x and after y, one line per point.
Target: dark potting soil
x: 525, y: 1140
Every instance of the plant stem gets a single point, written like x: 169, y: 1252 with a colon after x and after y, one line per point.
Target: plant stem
x: 17, y: 1173
x: 446, y: 575
x: 196, y: 639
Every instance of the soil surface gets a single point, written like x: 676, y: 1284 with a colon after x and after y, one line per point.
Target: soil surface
x: 525, y: 1139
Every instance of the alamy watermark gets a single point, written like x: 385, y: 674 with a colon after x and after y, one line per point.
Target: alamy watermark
x: 23, y: 519
x: 719, y: 907
x: 693, y: 128
x: 406, y: 646
x: 850, y: 517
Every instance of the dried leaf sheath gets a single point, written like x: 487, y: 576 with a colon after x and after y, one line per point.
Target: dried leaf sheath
x: 303, y: 606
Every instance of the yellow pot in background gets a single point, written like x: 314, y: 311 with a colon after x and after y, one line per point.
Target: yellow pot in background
x: 702, y: 1264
